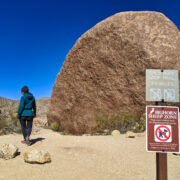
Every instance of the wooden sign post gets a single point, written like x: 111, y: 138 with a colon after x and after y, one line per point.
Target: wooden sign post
x: 161, y: 166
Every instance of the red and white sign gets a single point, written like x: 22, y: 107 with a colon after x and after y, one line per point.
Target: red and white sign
x: 162, y: 132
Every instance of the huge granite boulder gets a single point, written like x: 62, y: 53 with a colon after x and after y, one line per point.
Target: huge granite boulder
x: 106, y: 68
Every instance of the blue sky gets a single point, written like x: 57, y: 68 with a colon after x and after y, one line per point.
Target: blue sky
x: 36, y: 36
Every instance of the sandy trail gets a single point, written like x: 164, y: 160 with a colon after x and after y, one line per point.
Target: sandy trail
x: 86, y: 158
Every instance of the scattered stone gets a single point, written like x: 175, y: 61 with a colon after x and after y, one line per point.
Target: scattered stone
x: 97, y: 134
x: 115, y: 133
x: 16, y: 129
x: 86, y: 135
x: 37, y: 156
x: 7, y: 129
x: 8, y: 151
x: 40, y: 122
x: 10, y: 129
x: 130, y: 134
x: 106, y: 131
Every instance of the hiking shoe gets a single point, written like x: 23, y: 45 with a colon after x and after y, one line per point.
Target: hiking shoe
x: 28, y: 143
x: 23, y: 142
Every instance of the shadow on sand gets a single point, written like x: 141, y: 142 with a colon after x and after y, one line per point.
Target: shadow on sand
x: 33, y: 141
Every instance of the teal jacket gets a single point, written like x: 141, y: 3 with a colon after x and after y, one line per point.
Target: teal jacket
x: 27, y: 106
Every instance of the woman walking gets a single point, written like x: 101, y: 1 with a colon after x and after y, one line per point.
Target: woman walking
x: 26, y: 113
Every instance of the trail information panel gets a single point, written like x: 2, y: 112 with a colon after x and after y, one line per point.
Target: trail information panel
x: 162, y: 85
x: 162, y: 132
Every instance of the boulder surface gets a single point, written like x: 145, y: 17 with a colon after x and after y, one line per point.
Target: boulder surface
x: 8, y: 151
x: 106, y: 68
x: 115, y: 133
x: 130, y: 134
x: 37, y: 156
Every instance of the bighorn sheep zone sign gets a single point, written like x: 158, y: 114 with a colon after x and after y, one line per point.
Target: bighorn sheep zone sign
x: 162, y: 130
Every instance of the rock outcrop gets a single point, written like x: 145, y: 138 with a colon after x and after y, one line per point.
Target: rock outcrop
x: 106, y: 68
x: 8, y: 151
x: 37, y: 156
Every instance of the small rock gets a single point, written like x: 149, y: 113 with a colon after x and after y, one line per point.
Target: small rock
x: 97, y: 134
x: 86, y: 135
x: 115, y: 133
x: 7, y: 129
x: 16, y: 129
x: 130, y: 134
x: 8, y: 151
x: 37, y: 156
x: 106, y: 131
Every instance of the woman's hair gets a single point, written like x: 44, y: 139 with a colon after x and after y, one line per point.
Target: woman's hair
x: 25, y: 89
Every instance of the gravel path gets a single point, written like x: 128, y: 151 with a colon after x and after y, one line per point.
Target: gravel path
x: 86, y: 158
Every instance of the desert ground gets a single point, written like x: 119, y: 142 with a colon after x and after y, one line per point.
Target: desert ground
x: 85, y: 158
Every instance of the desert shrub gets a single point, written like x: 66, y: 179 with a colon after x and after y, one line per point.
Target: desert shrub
x: 8, y: 119
x: 140, y: 125
x: 65, y: 133
x: 120, y: 121
x: 54, y: 126
x: 7, y: 127
x: 3, y: 122
x: 13, y: 116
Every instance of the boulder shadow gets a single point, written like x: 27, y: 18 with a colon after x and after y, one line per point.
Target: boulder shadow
x: 34, y: 141
x: 18, y: 153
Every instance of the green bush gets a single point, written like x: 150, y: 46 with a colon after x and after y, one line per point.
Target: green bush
x: 3, y: 122
x: 140, y: 125
x: 8, y: 120
x: 65, y: 133
x: 120, y: 121
x: 54, y: 126
x: 13, y: 116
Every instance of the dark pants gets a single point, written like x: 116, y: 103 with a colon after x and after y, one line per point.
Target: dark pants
x: 26, y: 125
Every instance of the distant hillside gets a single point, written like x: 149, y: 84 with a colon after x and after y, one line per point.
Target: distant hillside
x: 8, y: 112
x: 7, y: 104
